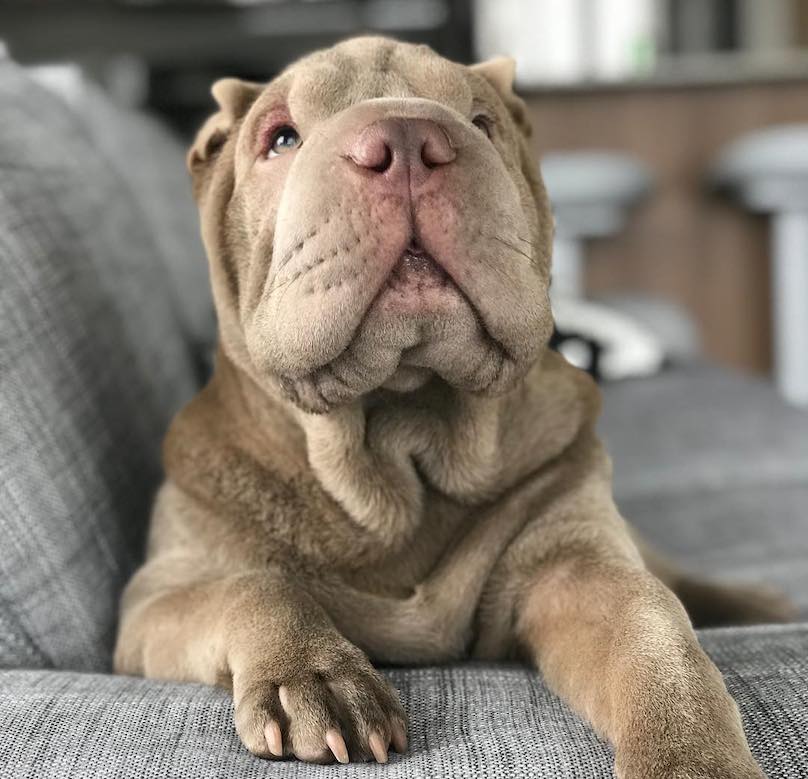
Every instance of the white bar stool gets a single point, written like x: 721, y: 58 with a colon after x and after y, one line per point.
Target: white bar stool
x: 768, y: 172
x: 591, y: 193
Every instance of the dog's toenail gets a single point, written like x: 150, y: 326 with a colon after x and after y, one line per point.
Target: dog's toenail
x: 274, y: 739
x: 336, y: 743
x: 378, y: 748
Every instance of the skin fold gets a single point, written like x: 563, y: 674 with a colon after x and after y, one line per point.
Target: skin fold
x: 388, y: 464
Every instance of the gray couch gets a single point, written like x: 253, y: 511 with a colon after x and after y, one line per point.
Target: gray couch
x: 105, y: 325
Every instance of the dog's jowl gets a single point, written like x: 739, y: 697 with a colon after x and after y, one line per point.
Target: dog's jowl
x: 389, y: 464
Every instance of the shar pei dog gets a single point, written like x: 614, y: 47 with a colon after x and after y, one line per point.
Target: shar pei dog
x: 389, y: 464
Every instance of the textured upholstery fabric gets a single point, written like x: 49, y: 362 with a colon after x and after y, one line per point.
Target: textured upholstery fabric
x: 467, y: 721
x: 94, y: 359
x: 744, y: 534
x: 699, y: 427
x: 712, y: 468
x: 150, y: 169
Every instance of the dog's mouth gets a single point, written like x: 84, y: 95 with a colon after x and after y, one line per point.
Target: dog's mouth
x: 416, y: 271
x: 417, y: 285
x: 395, y: 315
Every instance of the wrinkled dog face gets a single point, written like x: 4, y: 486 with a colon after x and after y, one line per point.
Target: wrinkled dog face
x: 373, y: 219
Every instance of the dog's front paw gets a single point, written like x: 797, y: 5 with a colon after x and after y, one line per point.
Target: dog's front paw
x: 343, y: 710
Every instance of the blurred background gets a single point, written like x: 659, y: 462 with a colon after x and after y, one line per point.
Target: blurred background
x: 670, y: 132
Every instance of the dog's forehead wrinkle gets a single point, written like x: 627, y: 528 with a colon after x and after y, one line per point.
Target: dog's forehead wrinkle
x: 321, y: 90
x: 350, y: 73
x: 314, y: 100
x: 383, y: 57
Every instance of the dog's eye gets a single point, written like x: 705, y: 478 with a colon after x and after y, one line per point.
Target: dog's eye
x: 483, y: 123
x: 284, y: 139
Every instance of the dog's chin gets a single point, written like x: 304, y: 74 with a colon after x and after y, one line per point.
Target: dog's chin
x: 324, y: 390
x: 408, y: 378
x: 418, y: 287
x: 449, y: 349
x: 419, y: 326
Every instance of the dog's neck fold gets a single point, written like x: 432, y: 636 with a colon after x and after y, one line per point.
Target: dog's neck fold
x: 378, y: 456
x: 381, y: 457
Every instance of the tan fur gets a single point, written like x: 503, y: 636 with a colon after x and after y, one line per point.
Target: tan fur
x: 356, y: 483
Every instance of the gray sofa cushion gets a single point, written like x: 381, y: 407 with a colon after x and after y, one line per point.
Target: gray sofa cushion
x: 150, y: 169
x: 467, y: 721
x: 94, y: 361
x: 754, y: 533
x: 712, y: 467
x: 699, y: 427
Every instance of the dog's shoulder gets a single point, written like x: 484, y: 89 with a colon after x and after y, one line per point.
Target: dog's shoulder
x: 244, y: 460
x: 555, y: 406
x: 563, y: 385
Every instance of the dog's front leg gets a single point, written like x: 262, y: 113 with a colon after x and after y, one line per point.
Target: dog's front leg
x: 299, y: 687
x: 618, y: 645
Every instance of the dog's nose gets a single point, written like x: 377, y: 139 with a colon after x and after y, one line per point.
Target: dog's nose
x: 390, y: 146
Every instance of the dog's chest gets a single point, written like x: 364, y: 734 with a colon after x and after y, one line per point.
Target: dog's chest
x: 397, y: 573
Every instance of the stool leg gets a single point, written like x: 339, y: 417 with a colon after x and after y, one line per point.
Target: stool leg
x: 790, y: 301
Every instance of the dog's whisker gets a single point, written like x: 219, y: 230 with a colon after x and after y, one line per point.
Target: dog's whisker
x: 513, y: 247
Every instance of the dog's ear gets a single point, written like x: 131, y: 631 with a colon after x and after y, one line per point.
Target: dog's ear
x: 234, y: 98
x: 499, y: 73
